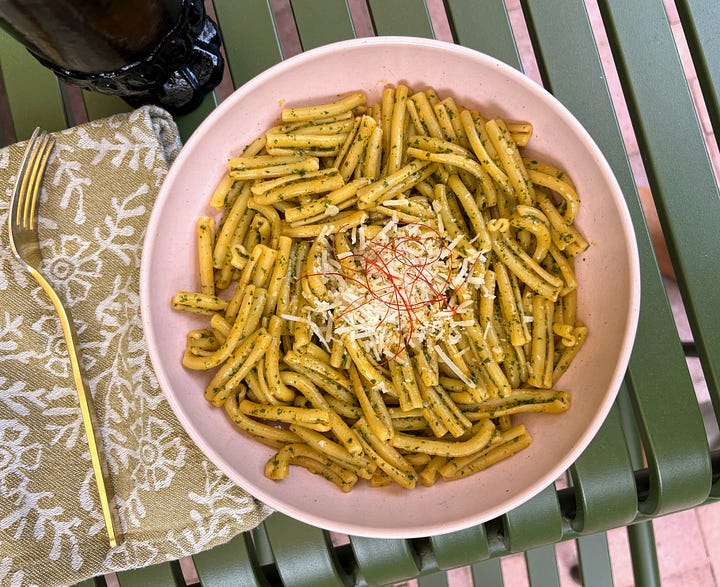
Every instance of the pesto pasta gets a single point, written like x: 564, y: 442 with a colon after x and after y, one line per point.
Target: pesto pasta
x: 385, y: 287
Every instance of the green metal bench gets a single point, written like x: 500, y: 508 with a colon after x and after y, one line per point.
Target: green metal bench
x: 651, y: 457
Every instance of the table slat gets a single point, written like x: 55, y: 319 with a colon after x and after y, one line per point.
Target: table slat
x: 488, y: 573
x: 162, y: 575
x: 100, y: 105
x: 382, y: 562
x: 33, y: 91
x: 303, y: 554
x: 187, y: 123
x: 462, y: 547
x: 594, y: 556
x: 263, y: 550
x: 605, y: 492
x: 643, y: 553
x: 663, y: 121
x: 230, y: 564
x: 535, y: 523
x: 484, y: 27
x: 699, y: 19
x: 320, y: 22
x: 542, y: 566
x: 437, y: 579
x: 658, y: 376
x: 249, y: 37
x: 401, y: 17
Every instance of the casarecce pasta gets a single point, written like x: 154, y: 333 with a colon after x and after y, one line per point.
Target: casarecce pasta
x: 385, y: 287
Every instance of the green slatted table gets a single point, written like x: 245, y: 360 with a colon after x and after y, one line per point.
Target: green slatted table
x: 651, y: 456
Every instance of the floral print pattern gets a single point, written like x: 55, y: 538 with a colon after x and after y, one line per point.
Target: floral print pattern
x: 96, y: 200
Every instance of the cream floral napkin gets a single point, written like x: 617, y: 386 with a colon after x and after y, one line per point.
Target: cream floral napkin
x: 98, y: 193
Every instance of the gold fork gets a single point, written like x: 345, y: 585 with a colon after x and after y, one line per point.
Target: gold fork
x: 24, y: 242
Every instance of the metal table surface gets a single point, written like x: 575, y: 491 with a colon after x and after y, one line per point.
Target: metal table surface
x: 651, y: 456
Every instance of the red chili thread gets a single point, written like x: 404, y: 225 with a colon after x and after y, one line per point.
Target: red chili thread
x: 397, y: 296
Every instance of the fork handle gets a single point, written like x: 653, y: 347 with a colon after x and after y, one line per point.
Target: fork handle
x: 87, y: 409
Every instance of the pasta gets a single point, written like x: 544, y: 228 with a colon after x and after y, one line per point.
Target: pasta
x: 386, y: 288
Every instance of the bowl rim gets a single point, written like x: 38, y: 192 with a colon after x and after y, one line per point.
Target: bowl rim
x: 625, y: 347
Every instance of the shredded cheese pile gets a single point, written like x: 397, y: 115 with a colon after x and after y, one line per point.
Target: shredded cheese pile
x: 407, y: 286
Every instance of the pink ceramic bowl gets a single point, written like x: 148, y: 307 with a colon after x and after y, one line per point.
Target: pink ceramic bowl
x: 608, y: 274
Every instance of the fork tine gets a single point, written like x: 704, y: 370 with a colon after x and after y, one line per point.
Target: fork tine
x: 47, y: 142
x: 23, y: 178
x: 30, y: 177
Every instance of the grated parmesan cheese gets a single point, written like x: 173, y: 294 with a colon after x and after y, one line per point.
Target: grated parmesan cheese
x: 453, y: 367
x: 404, y: 293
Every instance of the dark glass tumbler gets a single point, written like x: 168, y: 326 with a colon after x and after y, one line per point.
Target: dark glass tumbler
x: 164, y: 52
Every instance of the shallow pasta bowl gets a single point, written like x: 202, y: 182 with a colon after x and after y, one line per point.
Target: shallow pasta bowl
x: 608, y: 273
